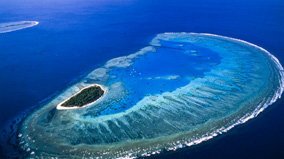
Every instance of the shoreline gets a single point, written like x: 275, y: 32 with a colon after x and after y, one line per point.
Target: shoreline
x: 60, y: 107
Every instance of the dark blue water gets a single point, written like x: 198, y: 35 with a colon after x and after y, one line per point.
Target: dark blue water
x: 74, y: 37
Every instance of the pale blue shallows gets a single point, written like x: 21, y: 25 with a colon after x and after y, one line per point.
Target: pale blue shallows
x: 182, y: 89
x: 75, y: 37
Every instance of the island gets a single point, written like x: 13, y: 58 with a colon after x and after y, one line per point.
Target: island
x: 85, y: 97
x: 13, y: 26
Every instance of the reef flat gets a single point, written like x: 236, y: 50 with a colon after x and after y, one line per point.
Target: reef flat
x: 184, y: 88
x: 13, y: 26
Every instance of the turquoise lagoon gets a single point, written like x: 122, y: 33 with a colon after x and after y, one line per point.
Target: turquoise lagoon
x: 182, y: 89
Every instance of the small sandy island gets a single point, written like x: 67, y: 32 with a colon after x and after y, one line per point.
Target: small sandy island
x: 85, y: 97
x: 13, y: 26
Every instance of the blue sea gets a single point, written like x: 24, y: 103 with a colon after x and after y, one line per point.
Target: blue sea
x: 74, y: 37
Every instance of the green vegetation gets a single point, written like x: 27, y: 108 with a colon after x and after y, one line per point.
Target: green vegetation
x: 87, y: 96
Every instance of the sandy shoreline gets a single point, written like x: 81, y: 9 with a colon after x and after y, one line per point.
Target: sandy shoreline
x: 32, y: 23
x: 60, y: 107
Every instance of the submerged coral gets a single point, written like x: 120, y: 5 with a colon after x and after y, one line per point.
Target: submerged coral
x: 183, y: 89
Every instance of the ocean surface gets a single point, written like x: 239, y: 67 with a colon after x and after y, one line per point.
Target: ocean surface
x: 75, y: 37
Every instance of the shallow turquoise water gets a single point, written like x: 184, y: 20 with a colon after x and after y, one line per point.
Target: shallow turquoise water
x: 169, y: 67
x: 179, y: 91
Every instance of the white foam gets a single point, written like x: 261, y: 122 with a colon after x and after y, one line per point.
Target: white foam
x: 248, y: 116
x: 245, y: 118
x: 127, y: 60
x: 261, y: 107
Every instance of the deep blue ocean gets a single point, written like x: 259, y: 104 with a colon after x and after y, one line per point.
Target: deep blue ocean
x: 76, y: 36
